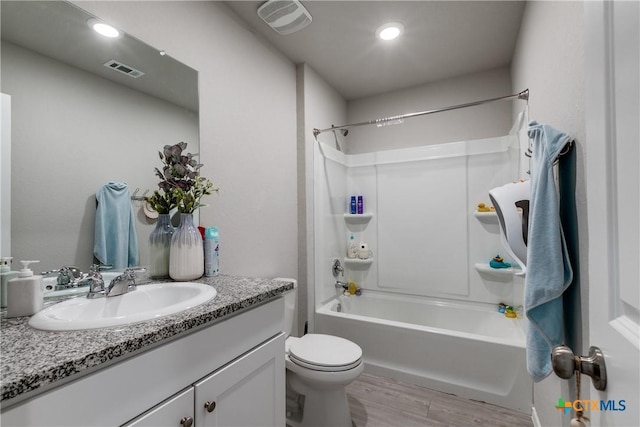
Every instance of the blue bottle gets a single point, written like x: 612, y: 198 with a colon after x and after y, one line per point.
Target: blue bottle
x: 353, y: 205
x: 211, y: 252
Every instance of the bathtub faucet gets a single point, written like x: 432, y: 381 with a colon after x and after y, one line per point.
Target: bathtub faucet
x: 342, y: 285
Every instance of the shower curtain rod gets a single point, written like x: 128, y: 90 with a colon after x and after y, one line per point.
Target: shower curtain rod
x: 524, y: 95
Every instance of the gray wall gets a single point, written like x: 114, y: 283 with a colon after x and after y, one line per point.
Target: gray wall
x: 549, y: 60
x: 459, y: 125
x: 73, y: 132
x: 247, y: 97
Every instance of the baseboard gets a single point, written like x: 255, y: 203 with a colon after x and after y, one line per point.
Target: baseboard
x: 534, y: 417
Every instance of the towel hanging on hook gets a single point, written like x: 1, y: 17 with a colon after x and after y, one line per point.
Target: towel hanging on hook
x: 567, y: 148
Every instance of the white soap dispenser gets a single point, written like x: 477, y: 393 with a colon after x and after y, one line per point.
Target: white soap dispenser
x: 5, y: 275
x: 24, y: 293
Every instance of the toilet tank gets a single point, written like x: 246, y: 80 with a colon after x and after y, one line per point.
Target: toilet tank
x: 290, y: 308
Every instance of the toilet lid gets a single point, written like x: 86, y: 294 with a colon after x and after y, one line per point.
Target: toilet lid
x: 325, y: 353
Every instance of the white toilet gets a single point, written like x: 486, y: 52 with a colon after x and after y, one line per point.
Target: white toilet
x: 319, y: 367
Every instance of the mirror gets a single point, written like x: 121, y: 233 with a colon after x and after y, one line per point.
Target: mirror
x: 78, y: 124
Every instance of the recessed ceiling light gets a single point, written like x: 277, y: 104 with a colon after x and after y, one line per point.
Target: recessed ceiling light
x: 389, y: 31
x: 103, y: 29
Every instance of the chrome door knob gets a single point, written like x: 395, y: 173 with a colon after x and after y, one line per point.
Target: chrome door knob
x: 565, y: 364
x: 210, y: 406
x: 186, y: 422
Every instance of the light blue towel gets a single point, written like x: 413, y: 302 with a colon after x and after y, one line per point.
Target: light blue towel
x: 549, y: 271
x: 116, y: 242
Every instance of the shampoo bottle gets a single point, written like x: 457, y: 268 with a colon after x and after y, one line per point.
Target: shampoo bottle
x: 24, y: 293
x: 5, y: 275
x: 353, y: 207
x: 352, y: 247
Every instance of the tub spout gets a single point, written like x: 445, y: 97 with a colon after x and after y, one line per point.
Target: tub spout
x: 342, y: 285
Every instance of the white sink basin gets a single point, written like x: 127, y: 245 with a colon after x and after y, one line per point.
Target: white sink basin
x: 145, y: 303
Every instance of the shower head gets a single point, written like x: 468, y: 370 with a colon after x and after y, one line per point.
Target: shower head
x: 344, y: 132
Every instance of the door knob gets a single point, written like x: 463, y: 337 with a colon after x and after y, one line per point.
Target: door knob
x: 565, y: 364
x: 210, y: 406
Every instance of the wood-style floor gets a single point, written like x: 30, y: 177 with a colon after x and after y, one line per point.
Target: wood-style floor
x: 382, y: 402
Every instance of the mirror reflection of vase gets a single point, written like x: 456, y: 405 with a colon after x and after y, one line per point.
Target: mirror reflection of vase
x: 159, y: 247
x: 186, y: 260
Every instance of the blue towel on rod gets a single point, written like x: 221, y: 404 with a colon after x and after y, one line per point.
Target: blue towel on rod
x: 115, y: 242
x: 549, y: 270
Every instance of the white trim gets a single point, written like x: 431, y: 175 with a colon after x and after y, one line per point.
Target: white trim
x: 534, y: 417
x: 5, y: 176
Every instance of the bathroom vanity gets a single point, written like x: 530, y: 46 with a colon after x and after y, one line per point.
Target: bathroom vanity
x: 221, y: 363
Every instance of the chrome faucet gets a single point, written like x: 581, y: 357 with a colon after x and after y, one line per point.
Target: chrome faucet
x: 94, y: 280
x: 343, y: 285
x: 68, y: 276
x: 125, y: 282
x: 122, y: 284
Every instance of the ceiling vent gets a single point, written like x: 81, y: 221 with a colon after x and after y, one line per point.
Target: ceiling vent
x: 124, y: 69
x: 285, y: 16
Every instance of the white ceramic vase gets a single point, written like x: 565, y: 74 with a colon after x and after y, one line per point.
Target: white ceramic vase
x: 187, y: 254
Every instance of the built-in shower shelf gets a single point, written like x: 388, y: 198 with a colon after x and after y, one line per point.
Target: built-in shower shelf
x: 486, y: 217
x: 358, y: 218
x: 357, y: 263
x: 499, y: 273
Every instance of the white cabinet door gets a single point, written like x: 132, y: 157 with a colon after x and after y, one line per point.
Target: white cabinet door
x: 174, y: 412
x: 250, y: 391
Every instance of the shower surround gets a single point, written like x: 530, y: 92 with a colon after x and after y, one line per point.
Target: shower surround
x: 426, y: 243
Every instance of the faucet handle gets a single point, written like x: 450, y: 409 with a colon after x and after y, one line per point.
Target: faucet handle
x: 132, y: 273
x: 68, y: 274
x: 96, y: 285
x: 73, y: 270
x: 95, y: 269
x: 337, y: 268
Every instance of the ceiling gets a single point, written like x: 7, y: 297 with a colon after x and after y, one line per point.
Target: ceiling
x: 442, y: 39
x: 59, y: 30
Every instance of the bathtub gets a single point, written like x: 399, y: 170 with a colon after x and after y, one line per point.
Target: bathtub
x: 467, y: 349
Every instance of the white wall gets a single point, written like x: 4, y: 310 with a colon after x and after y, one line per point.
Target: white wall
x: 549, y: 60
x: 320, y: 107
x: 469, y: 123
x: 422, y: 231
x: 72, y: 133
x: 247, y: 97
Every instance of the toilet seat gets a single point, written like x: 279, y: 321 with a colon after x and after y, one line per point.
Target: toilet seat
x: 327, y: 353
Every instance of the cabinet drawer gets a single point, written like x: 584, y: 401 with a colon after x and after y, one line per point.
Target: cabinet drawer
x: 168, y: 413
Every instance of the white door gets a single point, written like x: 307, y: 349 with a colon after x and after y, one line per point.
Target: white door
x: 612, y: 46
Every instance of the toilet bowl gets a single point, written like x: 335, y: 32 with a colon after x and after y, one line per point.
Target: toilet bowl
x: 319, y: 367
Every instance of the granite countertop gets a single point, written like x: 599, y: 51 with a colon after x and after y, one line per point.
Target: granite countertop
x: 32, y: 359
